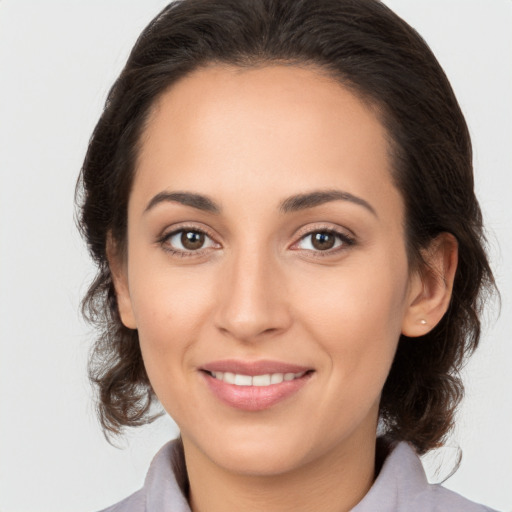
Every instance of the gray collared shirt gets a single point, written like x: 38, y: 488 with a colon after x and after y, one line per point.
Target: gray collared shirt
x: 401, y: 486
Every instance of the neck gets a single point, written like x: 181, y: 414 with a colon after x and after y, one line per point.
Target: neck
x: 334, y: 482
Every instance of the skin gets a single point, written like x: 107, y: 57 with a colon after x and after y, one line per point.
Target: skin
x: 258, y: 289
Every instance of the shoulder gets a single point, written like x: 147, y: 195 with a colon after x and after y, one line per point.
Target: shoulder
x: 439, y: 499
x: 133, y: 503
x: 402, y: 486
x: 161, y: 488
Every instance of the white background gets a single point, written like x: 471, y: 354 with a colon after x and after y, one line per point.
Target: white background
x: 57, y: 62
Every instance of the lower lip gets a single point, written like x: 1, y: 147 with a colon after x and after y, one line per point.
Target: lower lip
x: 254, y: 398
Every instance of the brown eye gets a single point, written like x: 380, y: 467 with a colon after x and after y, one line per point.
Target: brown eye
x: 192, y: 240
x: 188, y: 241
x: 323, y: 240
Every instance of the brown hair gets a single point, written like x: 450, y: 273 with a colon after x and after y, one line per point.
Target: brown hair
x: 367, y: 48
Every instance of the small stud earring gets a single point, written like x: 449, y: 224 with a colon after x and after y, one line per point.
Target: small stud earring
x: 423, y: 321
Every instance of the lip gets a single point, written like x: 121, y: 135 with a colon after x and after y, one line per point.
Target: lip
x: 254, y: 398
x: 253, y: 368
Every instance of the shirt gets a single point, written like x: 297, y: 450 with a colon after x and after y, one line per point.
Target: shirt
x: 401, y: 486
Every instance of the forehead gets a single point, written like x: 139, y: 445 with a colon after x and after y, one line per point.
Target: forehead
x: 294, y: 104
x: 276, y: 129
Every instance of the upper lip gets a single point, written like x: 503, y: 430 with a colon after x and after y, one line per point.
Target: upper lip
x: 253, y: 368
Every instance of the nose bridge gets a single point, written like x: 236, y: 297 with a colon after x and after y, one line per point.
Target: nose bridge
x: 252, y: 301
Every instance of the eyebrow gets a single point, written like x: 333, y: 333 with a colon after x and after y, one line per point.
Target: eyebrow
x: 320, y: 197
x: 291, y: 204
x: 198, y: 201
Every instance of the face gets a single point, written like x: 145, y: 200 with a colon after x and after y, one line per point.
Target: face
x: 266, y: 269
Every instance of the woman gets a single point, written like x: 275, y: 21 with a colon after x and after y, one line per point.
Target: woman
x: 279, y: 198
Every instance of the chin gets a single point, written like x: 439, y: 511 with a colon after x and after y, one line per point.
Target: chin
x: 260, y: 451
x: 260, y: 459
x: 250, y: 451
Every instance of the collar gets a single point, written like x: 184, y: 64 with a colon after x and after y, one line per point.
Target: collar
x: 401, y: 485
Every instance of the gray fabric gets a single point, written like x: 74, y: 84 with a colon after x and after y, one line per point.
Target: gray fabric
x: 400, y: 487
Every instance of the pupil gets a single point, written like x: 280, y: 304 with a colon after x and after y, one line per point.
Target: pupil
x: 192, y: 240
x: 323, y: 241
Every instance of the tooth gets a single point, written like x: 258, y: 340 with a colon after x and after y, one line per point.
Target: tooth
x: 276, y: 378
x: 258, y: 380
x: 229, y: 377
x: 243, y: 380
x: 261, y: 380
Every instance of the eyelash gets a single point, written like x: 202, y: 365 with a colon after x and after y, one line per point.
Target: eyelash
x: 164, y: 241
x: 345, y: 239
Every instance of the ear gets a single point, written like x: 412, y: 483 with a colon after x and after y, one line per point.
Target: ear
x: 430, y: 288
x: 117, y: 265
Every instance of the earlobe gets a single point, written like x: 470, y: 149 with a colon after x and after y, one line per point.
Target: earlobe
x: 430, y: 289
x: 119, y: 273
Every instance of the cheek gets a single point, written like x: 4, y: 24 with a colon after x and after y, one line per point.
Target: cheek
x: 169, y: 307
x: 354, y: 297
x: 355, y: 314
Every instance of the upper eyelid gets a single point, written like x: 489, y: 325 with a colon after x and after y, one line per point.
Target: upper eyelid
x: 172, y: 230
x: 163, y: 240
x: 324, y: 226
x: 301, y: 233
x: 344, y: 237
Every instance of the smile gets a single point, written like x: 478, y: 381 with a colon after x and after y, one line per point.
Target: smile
x: 267, y: 379
x: 254, y: 386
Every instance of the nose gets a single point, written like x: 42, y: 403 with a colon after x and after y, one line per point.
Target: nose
x: 252, y: 298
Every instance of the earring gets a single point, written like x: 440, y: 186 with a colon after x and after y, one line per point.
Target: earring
x: 423, y: 321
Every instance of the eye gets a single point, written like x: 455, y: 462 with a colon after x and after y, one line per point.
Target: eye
x: 323, y: 240
x: 188, y: 240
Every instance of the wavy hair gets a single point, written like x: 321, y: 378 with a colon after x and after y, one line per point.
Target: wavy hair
x: 385, y: 62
